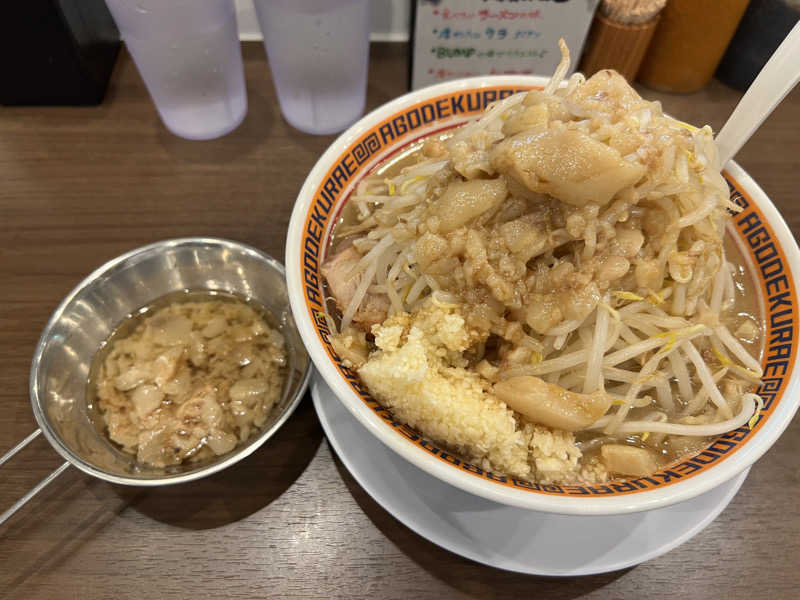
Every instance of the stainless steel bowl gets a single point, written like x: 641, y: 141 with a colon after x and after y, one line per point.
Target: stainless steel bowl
x: 88, y: 315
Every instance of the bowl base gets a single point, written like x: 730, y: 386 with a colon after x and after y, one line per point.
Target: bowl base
x: 503, y: 536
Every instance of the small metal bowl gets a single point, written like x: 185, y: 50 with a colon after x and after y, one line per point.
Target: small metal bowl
x: 89, y: 314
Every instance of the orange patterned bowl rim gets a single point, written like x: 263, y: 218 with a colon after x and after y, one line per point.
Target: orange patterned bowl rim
x: 760, y: 232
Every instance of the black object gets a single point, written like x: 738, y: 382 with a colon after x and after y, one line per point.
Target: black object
x: 762, y: 29
x: 56, y: 52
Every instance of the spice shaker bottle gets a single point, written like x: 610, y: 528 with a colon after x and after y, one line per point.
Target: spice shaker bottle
x: 764, y: 26
x: 689, y: 42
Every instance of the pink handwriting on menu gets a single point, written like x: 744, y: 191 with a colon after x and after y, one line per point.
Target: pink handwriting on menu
x: 443, y: 74
x: 486, y: 14
x: 447, y: 74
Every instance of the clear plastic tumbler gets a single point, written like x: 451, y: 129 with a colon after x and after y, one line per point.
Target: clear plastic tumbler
x: 189, y: 56
x: 319, y: 53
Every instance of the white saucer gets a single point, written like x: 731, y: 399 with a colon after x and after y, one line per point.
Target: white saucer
x: 501, y: 536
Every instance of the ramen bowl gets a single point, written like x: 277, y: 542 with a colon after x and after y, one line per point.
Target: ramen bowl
x: 91, y: 312
x: 769, y: 250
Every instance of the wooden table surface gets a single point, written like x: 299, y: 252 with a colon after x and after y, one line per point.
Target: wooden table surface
x: 78, y: 186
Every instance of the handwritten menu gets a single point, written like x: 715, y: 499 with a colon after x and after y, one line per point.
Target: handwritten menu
x: 462, y: 38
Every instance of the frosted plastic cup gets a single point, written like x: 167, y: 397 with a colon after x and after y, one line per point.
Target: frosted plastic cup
x: 318, y: 52
x: 188, y: 54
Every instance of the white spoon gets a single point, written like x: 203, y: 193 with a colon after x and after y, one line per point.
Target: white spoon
x: 775, y: 80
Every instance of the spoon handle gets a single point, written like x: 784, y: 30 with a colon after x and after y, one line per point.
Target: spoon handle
x: 38, y: 487
x: 775, y: 80
x: 32, y: 492
x: 7, y: 456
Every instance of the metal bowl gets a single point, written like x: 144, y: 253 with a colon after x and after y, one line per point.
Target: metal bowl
x: 89, y: 314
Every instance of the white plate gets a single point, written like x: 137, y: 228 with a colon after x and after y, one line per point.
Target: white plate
x: 501, y: 536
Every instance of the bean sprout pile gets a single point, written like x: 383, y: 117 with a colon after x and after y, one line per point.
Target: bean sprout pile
x: 578, y: 231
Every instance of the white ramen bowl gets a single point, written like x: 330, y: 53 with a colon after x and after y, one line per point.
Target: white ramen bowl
x: 765, y: 241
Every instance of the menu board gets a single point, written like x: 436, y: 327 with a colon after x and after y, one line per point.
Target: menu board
x: 462, y: 38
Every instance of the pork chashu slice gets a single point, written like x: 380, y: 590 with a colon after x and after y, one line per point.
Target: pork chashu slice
x: 374, y: 307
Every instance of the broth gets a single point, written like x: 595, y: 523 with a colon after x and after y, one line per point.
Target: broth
x: 186, y: 378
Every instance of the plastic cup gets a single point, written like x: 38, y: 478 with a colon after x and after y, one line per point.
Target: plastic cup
x: 189, y: 56
x: 318, y: 52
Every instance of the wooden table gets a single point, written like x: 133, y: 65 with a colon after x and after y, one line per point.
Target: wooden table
x: 81, y: 185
